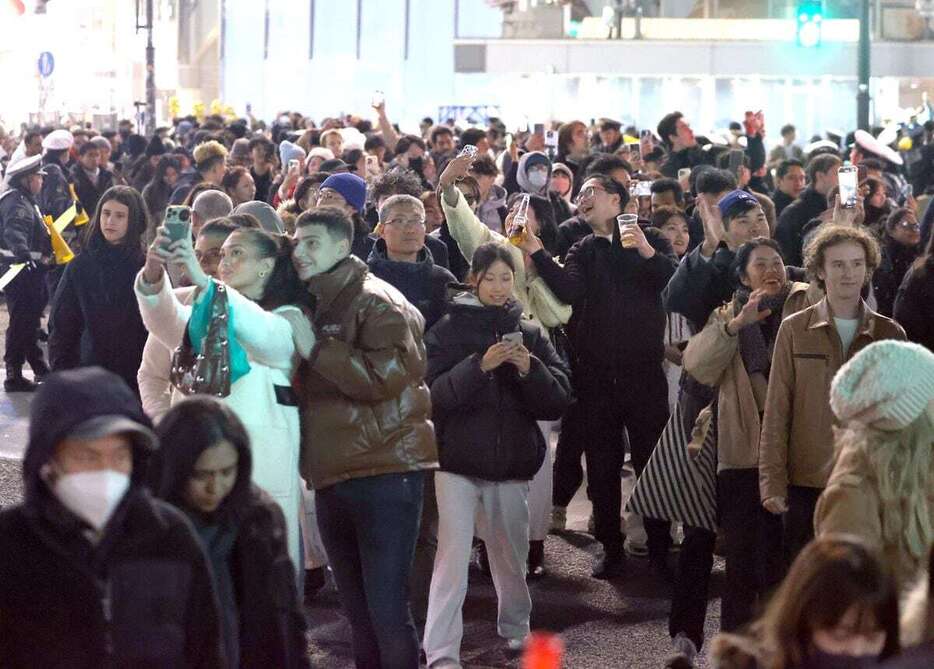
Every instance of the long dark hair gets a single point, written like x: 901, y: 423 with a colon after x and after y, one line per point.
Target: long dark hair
x: 185, y: 432
x: 545, y: 214
x: 137, y: 221
x: 284, y: 286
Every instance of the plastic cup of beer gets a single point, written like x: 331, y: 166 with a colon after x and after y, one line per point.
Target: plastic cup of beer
x: 624, y: 221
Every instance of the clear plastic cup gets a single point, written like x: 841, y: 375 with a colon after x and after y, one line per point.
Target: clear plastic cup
x: 623, y: 221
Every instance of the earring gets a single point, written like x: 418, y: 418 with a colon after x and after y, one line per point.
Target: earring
x: 262, y: 274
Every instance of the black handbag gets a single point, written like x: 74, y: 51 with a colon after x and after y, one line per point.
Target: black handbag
x: 208, y: 372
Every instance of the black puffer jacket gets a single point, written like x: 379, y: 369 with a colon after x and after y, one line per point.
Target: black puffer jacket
x: 141, y: 597
x: 423, y: 283
x: 95, y: 317
x: 485, y: 423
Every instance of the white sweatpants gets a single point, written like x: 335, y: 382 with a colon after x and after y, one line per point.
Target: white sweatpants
x: 315, y: 555
x: 503, y: 519
x: 540, y: 488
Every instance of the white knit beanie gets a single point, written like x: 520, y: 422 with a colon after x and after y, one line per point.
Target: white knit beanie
x: 886, y: 386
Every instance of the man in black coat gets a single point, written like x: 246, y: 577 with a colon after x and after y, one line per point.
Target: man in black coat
x: 614, y: 279
x: 789, y: 233
x: 91, y: 180
x: 400, y: 258
x: 94, y: 572
x: 23, y: 235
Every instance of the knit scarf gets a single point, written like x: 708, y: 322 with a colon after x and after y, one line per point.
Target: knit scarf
x: 757, y: 341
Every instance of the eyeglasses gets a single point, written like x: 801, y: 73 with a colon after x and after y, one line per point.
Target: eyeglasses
x: 406, y: 222
x: 588, y: 193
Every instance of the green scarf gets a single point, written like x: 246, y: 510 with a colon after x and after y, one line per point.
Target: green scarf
x: 198, y: 329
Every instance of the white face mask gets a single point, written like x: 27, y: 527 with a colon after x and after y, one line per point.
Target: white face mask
x: 92, y: 496
x: 538, y: 178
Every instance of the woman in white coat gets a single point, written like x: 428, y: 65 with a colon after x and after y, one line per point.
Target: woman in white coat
x: 270, y: 336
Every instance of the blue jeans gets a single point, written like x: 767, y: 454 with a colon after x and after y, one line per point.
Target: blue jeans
x: 369, y: 527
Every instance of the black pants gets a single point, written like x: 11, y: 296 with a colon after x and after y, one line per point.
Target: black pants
x: 752, y: 543
x: 692, y: 585
x: 26, y: 299
x: 568, y: 471
x: 638, y: 402
x: 799, y: 521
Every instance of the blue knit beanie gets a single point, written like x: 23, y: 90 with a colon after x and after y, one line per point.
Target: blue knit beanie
x: 351, y: 187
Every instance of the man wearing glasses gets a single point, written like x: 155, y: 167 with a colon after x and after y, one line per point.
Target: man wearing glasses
x: 614, y: 279
x: 401, y: 259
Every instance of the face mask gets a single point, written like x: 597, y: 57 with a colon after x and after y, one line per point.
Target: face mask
x: 821, y: 660
x: 92, y: 496
x: 538, y: 179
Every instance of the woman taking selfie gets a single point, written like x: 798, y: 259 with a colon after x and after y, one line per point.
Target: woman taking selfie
x: 204, y: 465
x: 269, y: 336
x: 94, y: 319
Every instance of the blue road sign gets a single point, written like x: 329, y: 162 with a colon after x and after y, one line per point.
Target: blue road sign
x: 46, y: 63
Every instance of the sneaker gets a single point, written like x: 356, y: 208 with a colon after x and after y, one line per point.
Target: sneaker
x: 559, y: 519
x: 685, y: 653
x: 515, y: 645
x: 635, y: 549
x: 611, y: 565
x: 536, y: 561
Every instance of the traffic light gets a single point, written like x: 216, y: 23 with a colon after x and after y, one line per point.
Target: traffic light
x: 808, y: 18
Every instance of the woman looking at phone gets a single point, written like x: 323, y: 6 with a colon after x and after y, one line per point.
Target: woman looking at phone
x: 492, y: 375
x: 94, y: 319
x: 270, y: 336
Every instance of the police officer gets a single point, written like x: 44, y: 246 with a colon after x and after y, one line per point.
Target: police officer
x: 55, y: 197
x: 25, y: 237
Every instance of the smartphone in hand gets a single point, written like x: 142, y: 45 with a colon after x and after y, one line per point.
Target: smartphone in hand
x: 849, y: 185
x: 177, y: 222
x: 512, y: 338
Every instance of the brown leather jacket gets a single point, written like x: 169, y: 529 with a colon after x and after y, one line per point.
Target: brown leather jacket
x: 796, y: 447
x: 712, y: 357
x: 365, y: 407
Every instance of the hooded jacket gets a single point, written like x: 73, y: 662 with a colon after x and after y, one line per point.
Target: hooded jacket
x: 423, y: 283
x: 486, y: 421
x: 365, y: 407
x: 141, y: 597
x: 94, y: 317
x: 270, y: 622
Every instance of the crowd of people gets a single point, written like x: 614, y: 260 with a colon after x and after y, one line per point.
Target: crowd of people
x: 286, y: 354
